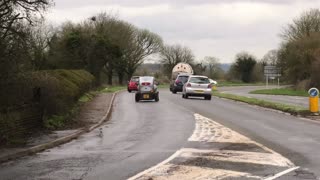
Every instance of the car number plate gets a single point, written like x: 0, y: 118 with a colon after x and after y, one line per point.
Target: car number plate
x: 199, y: 91
x: 146, y: 96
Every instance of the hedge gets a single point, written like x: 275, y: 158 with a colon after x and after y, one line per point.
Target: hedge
x: 40, y: 95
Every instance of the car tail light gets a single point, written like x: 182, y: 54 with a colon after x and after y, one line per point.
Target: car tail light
x: 178, y: 81
x: 188, y: 85
x: 145, y: 84
x: 209, y: 86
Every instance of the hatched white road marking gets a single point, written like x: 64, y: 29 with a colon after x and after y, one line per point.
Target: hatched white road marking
x: 215, y: 163
x: 282, y: 173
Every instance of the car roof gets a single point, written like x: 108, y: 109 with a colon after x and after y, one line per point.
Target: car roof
x: 183, y: 75
x: 198, y: 76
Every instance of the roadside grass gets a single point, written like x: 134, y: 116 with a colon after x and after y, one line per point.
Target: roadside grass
x: 281, y: 91
x: 237, y: 83
x: 111, y: 89
x: 61, y: 121
x: 161, y: 86
x: 87, y: 97
x: 294, y: 110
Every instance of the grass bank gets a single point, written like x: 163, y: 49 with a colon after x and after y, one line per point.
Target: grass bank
x: 281, y: 91
x: 294, y: 110
x: 231, y: 83
x: 66, y: 119
x: 111, y: 89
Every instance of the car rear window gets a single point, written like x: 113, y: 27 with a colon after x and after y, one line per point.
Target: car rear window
x: 135, y: 79
x: 183, y: 79
x: 146, y: 79
x: 199, y: 80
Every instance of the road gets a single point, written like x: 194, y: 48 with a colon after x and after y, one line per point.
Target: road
x: 141, y: 135
x: 244, y: 91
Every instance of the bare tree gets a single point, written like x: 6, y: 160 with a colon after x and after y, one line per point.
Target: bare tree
x: 143, y: 44
x: 173, y: 54
x: 212, y: 63
x: 12, y: 11
x: 270, y: 58
x: 135, y: 44
x: 304, y: 26
x: 39, y: 39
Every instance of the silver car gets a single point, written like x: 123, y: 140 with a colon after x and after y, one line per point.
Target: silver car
x: 147, y: 89
x: 198, y: 86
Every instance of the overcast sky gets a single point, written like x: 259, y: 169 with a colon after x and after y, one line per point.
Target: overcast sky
x: 219, y: 28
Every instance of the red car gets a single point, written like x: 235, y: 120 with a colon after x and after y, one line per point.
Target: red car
x: 133, y: 84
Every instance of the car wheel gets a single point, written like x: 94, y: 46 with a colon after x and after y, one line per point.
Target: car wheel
x: 137, y: 98
x: 186, y: 96
x: 183, y: 96
x: 207, y: 97
x: 129, y: 90
x: 174, y: 91
x: 157, y: 98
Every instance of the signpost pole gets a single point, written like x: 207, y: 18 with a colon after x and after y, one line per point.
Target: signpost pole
x: 267, y: 79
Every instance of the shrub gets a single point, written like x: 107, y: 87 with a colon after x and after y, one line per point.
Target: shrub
x: 41, y: 98
x: 60, y: 89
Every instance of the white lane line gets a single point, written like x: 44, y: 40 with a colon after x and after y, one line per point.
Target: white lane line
x: 282, y: 173
x: 156, y: 166
x: 287, y: 161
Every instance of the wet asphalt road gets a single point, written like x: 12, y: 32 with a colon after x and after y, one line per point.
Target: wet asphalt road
x: 137, y: 137
x: 141, y: 135
x: 244, y: 91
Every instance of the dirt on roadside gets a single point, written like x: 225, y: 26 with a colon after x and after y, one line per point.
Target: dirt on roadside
x: 92, y: 112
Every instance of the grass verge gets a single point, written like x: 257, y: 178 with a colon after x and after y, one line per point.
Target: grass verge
x: 294, y: 110
x: 57, y: 122
x: 231, y: 83
x: 281, y: 91
x: 161, y: 86
x: 111, y: 89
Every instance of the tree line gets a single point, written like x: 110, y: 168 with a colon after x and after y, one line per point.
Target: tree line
x: 298, y: 56
x: 107, y: 46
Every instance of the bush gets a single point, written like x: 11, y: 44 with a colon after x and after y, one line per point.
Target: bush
x: 41, y: 98
x: 60, y: 89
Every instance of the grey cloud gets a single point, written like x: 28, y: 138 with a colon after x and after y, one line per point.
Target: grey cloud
x: 139, y: 3
x: 219, y: 36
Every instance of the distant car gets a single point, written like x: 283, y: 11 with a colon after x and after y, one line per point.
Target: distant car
x: 133, y: 84
x: 179, y: 82
x: 198, y: 86
x: 147, y: 89
x: 213, y: 82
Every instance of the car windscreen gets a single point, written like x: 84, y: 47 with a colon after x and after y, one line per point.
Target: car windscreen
x: 199, y: 80
x: 183, y: 79
x: 146, y: 79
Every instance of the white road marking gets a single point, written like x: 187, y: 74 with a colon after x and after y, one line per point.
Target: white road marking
x: 156, y: 166
x: 207, y: 130
x: 282, y: 173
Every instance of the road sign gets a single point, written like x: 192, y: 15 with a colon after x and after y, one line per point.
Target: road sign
x: 313, y: 92
x: 314, y: 100
x: 272, y: 71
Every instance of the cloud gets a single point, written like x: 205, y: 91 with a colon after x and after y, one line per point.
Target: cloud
x: 208, y: 27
